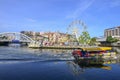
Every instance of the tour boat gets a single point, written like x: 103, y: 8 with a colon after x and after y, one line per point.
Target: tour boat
x: 94, y: 52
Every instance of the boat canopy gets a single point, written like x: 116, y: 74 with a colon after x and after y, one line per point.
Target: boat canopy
x: 97, y: 48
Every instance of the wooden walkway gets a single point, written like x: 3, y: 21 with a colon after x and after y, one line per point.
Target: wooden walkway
x: 57, y: 47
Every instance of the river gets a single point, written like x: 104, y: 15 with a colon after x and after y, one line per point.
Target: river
x: 21, y: 63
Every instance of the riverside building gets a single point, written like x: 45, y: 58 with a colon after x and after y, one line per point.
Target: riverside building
x: 114, y: 32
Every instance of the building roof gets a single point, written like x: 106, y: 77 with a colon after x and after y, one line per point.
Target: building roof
x: 112, y: 28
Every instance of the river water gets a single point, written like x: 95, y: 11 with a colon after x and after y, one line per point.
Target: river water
x: 21, y: 63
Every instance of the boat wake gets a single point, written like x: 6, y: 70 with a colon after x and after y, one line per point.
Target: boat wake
x: 18, y: 55
x: 10, y: 61
x: 35, y: 58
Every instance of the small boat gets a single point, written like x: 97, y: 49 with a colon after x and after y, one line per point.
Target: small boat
x: 94, y: 52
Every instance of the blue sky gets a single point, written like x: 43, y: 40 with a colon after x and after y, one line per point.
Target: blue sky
x: 56, y: 15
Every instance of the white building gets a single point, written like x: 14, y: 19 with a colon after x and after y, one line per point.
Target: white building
x: 114, y: 32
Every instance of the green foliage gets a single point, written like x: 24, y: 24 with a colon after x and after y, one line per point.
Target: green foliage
x: 111, y: 40
x: 93, y: 41
x: 84, y: 38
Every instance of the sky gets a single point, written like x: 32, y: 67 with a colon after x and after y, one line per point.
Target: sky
x: 57, y: 15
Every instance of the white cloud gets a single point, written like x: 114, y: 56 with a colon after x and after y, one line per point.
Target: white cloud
x: 83, y: 6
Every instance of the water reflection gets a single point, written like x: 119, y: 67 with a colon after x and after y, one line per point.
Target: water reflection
x: 80, y: 66
x: 26, y: 54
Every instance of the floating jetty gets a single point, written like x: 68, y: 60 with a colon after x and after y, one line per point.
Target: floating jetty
x: 38, y: 46
x: 56, y: 47
x: 88, y: 48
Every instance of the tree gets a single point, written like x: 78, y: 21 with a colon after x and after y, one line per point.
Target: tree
x: 111, y: 40
x: 93, y: 41
x: 84, y: 38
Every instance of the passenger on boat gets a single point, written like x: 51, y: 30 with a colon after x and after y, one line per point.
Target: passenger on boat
x: 83, y: 53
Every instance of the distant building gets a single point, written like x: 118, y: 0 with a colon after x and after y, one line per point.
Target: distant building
x: 51, y: 38
x: 58, y: 38
x: 114, y: 32
x: 37, y: 36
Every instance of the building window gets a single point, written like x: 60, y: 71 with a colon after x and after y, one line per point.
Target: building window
x: 116, y: 31
x: 107, y: 33
x: 112, y: 32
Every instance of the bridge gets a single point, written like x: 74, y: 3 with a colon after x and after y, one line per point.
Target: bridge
x: 15, y: 37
